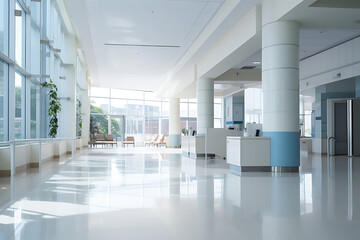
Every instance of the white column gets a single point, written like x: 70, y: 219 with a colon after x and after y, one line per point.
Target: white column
x: 205, y: 105
x: 280, y: 83
x: 174, y: 123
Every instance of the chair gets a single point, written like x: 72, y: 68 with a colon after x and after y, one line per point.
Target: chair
x: 99, y: 140
x: 160, y: 141
x: 100, y: 137
x: 92, y: 141
x: 152, y: 141
x: 129, y: 140
x: 109, y: 139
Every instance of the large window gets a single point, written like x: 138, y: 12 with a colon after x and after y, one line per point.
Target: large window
x: 20, y: 35
x: 99, y: 105
x: 188, y: 113
x: 218, y: 113
x: 253, y: 105
x: 3, y: 100
x: 304, y: 117
x: 128, y: 113
x: 34, y: 92
x: 4, y: 26
x: 35, y: 32
x: 19, y: 106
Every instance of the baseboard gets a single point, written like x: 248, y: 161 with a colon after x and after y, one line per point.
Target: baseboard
x: 5, y: 173
x: 33, y: 165
x: 61, y: 155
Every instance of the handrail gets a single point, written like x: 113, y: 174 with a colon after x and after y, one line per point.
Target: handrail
x: 13, y: 143
x: 38, y: 139
x: 329, y: 139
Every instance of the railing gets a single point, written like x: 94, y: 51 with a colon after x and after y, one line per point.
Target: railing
x: 331, y: 146
x: 40, y: 141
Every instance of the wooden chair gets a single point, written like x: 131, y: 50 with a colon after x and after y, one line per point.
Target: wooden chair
x: 129, y: 140
x: 160, y: 141
x: 109, y: 139
x: 100, y: 137
x: 92, y: 141
x: 152, y: 141
x: 99, y: 140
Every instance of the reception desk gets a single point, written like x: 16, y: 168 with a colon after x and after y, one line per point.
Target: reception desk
x: 248, y: 153
x: 212, y: 145
x: 193, y: 146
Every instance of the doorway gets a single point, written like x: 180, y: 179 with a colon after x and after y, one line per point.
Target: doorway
x: 343, y: 127
x: 340, y: 128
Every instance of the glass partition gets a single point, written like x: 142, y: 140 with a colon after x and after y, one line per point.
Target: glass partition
x: 19, y: 106
x: 20, y: 35
x: 4, y: 26
x: 141, y: 114
x: 3, y: 100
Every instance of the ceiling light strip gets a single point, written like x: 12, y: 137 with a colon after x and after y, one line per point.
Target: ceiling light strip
x: 140, y: 45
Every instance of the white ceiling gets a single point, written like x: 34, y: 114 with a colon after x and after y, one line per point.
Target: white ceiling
x: 179, y: 23
x: 147, y: 22
x: 311, y: 42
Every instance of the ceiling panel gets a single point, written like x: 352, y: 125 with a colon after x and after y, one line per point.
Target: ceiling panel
x: 154, y: 22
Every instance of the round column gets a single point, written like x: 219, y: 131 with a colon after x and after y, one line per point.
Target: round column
x: 205, y: 105
x: 280, y: 84
x: 174, y: 123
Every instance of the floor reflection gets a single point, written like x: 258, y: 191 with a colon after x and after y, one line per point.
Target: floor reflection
x: 152, y: 193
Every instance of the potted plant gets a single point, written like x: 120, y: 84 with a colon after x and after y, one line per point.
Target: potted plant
x: 54, y: 107
x: 79, y: 116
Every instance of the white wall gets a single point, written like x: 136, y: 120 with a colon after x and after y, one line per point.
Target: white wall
x: 324, y: 67
x: 5, y: 158
x: 67, y: 89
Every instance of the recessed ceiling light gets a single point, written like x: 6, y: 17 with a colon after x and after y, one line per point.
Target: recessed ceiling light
x: 257, y: 62
x: 141, y: 45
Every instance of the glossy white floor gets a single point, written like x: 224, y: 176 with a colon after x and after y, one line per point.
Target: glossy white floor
x: 159, y: 194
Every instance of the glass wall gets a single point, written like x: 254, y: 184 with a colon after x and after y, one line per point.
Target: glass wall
x: 128, y: 113
x: 3, y: 100
x: 20, y: 35
x: 304, y: 118
x: 19, y: 106
x: 188, y: 113
x: 253, y: 105
x: 4, y: 26
x: 218, y: 113
x: 34, y: 29
x: 33, y: 109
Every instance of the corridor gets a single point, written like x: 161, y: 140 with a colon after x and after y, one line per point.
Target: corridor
x: 148, y: 193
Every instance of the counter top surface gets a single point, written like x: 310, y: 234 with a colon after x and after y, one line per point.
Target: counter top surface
x: 249, y: 138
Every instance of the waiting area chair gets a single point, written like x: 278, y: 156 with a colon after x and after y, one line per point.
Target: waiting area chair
x: 160, y: 141
x: 99, y: 139
x: 152, y: 141
x: 128, y: 141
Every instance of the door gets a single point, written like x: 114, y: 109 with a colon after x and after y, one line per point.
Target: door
x: 340, y: 127
x: 355, y: 128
